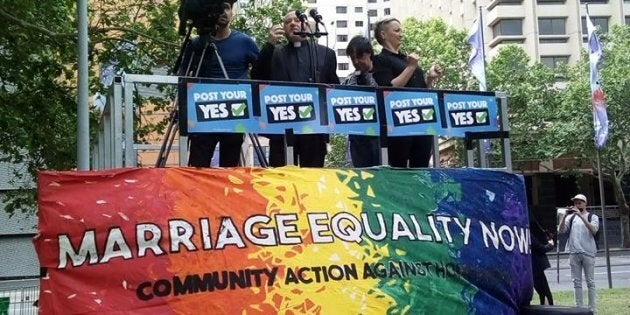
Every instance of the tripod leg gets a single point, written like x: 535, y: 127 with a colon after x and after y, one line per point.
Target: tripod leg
x: 257, y: 148
x: 170, y: 144
x: 253, y: 138
x: 170, y: 134
x: 166, y: 144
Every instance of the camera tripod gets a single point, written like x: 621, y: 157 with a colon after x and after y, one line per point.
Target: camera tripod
x: 172, y: 126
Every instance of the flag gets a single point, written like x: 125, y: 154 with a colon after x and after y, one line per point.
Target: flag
x: 477, y: 64
x: 476, y: 60
x: 598, y: 98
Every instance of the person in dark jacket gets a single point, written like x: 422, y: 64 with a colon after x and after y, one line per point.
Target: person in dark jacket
x: 291, y: 62
x: 540, y: 246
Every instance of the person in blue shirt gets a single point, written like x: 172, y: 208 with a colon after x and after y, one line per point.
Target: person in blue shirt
x: 238, y: 53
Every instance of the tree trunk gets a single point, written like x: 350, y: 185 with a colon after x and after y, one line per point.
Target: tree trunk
x: 624, y: 213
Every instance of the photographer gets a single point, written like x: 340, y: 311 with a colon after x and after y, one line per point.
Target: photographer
x: 581, y: 247
x: 238, y: 52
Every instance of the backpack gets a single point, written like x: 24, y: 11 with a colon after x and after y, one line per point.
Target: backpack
x: 596, y: 236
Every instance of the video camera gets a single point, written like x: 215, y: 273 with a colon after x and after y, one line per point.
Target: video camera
x: 204, y: 14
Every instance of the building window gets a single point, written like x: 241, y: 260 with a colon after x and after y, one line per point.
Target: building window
x: 593, y: 1
x: 341, y: 52
x: 510, y: 1
x: 387, y: 11
x: 551, y: 1
x: 312, y: 1
x: 342, y: 10
x: 371, y: 1
x: 552, y: 26
x: 627, y: 19
x: 342, y: 24
x: 601, y: 21
x: 358, y: 9
x: 358, y: 23
x: 553, y: 40
x: 508, y: 27
x: 372, y: 13
x: 342, y: 38
x: 343, y: 66
x: 553, y: 62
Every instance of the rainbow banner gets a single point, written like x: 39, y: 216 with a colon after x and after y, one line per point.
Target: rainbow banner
x: 286, y: 240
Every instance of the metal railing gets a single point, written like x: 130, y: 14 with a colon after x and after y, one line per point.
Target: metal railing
x: 19, y: 300
x: 115, y: 146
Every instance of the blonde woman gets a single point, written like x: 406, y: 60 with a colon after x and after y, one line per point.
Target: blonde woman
x: 394, y: 68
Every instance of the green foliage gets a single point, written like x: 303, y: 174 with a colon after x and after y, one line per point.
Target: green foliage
x: 38, y: 42
x: 257, y: 19
x: 337, y: 156
x: 436, y: 42
x: 36, y: 105
x: 532, y: 99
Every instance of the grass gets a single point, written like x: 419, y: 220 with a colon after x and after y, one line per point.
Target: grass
x: 609, y: 301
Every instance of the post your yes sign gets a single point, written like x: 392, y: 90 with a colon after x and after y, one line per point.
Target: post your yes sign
x: 290, y: 106
x: 411, y: 113
x: 220, y: 107
x: 352, y: 111
x: 466, y: 112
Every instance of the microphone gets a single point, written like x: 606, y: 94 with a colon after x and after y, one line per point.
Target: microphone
x: 301, y: 16
x: 315, y: 15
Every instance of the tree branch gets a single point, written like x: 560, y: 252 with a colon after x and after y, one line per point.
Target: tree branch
x: 34, y: 27
x: 73, y: 35
x: 130, y: 30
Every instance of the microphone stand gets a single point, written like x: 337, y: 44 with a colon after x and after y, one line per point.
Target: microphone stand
x: 312, y: 35
x: 289, y: 138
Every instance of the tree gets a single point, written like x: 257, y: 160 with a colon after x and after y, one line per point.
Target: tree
x: 257, y: 19
x: 38, y: 74
x: 532, y: 99
x: 436, y: 42
x: 572, y: 129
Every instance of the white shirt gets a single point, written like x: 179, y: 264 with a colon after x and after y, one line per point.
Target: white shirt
x: 581, y: 240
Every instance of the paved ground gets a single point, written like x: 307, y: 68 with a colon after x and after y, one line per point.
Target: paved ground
x: 560, y: 278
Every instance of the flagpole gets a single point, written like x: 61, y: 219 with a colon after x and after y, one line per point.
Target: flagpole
x: 600, y: 178
x: 485, y: 143
x: 83, y: 113
x: 603, y: 204
x: 483, y: 46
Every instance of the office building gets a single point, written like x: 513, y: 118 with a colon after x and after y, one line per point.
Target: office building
x: 345, y: 20
x: 551, y: 31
